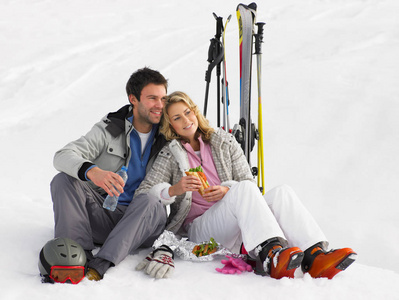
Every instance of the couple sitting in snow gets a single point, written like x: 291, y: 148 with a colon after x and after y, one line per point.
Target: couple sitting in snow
x: 159, y: 137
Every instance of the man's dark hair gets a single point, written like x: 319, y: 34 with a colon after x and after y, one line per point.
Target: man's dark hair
x: 139, y: 79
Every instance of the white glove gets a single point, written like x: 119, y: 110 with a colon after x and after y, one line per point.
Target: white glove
x: 159, y: 263
x: 145, y: 262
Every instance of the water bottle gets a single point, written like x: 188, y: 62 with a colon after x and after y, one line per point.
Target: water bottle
x: 111, y: 201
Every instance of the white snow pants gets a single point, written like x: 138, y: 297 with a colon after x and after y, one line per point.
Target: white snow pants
x: 244, y: 214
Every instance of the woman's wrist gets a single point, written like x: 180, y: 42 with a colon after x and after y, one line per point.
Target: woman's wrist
x: 171, y: 191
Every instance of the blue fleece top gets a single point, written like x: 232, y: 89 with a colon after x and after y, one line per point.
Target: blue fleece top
x: 137, y: 164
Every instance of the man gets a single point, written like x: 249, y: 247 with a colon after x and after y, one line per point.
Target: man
x: 128, y: 137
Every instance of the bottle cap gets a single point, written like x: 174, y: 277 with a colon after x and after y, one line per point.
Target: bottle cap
x: 124, y: 168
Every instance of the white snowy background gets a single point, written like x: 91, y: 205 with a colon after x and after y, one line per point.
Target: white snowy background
x: 330, y: 118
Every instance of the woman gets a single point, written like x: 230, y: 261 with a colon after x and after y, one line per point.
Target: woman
x: 233, y: 208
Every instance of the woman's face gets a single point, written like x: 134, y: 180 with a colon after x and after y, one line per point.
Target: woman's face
x: 183, y: 120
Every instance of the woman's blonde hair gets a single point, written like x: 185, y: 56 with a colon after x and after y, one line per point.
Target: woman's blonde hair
x: 203, y: 124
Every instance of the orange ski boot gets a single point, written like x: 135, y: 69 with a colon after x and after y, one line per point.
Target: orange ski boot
x: 320, y: 263
x: 278, y: 262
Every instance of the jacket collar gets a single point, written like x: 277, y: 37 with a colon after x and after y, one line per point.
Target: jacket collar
x: 116, y: 120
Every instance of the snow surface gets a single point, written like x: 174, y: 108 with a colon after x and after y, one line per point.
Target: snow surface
x: 330, y: 117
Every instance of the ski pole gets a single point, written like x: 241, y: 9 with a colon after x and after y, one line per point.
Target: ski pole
x: 225, y: 88
x: 215, y: 56
x: 219, y: 29
x: 258, y: 52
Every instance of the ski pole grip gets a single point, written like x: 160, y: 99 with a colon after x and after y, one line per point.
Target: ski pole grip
x: 260, y: 28
x: 259, y: 38
x: 219, y: 26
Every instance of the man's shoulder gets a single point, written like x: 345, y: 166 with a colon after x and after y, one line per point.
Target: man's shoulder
x: 115, y: 121
x: 121, y: 114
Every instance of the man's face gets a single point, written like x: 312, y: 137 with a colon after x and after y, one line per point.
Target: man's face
x: 148, y: 110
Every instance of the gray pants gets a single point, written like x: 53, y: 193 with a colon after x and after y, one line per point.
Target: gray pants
x: 79, y: 215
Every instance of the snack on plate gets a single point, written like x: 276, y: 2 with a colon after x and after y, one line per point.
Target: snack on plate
x: 198, y: 172
x: 205, y: 248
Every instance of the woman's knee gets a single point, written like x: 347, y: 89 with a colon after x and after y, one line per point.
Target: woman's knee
x: 247, y: 186
x: 244, y: 190
x: 279, y: 194
x: 282, y: 188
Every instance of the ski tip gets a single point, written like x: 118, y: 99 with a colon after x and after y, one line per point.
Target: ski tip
x: 241, y: 4
x: 252, y: 6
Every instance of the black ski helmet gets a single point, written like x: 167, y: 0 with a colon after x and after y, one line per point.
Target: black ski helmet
x: 60, y: 252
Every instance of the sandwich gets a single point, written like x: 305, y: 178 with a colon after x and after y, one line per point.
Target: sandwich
x: 198, y: 172
x: 205, y: 248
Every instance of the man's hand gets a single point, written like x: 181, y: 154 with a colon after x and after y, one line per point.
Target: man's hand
x: 110, y: 182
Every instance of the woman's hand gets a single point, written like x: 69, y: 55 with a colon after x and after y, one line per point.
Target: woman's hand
x: 215, y: 193
x: 186, y: 184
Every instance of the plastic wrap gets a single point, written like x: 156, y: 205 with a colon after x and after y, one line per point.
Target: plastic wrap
x: 183, y: 248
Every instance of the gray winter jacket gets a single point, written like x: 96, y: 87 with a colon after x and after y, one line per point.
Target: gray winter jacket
x: 172, y: 161
x: 106, y: 145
